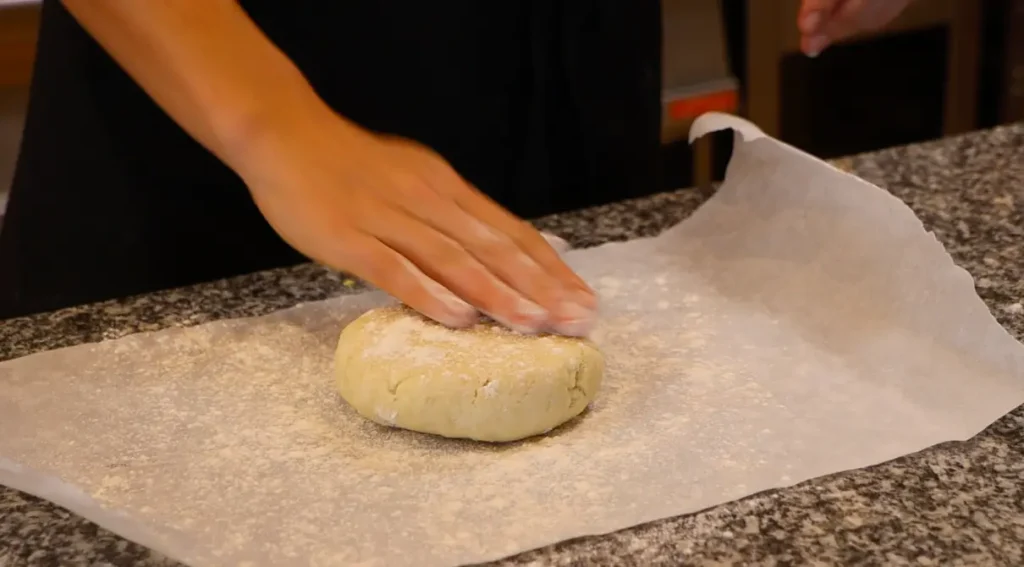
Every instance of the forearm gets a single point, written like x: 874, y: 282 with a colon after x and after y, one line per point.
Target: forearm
x: 205, y: 62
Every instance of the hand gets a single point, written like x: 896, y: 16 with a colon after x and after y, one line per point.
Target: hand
x: 394, y: 213
x: 824, y: 22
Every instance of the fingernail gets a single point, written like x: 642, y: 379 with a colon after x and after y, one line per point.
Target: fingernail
x: 527, y: 317
x: 530, y: 310
x: 458, y: 319
x: 458, y: 313
x: 559, y: 244
x: 816, y: 45
x: 584, y: 298
x: 574, y: 320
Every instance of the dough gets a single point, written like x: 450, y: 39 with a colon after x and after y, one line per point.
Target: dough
x: 487, y: 383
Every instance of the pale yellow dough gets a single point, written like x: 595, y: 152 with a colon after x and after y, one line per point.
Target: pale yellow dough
x: 486, y: 383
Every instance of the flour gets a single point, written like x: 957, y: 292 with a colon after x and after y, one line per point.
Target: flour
x: 414, y: 338
x: 458, y: 312
x: 427, y: 343
x: 490, y: 389
x: 396, y: 368
x: 748, y: 382
x: 387, y: 415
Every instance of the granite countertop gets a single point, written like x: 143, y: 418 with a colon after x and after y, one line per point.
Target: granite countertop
x: 957, y: 503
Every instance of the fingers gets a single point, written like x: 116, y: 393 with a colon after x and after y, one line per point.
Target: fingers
x: 813, y: 14
x: 508, y: 247
x: 446, y: 261
x: 378, y: 264
x: 495, y: 252
x: 523, y: 234
x: 483, y: 266
x: 443, y: 179
x: 850, y: 18
x: 556, y: 242
x: 811, y: 20
x: 576, y: 312
x: 824, y: 22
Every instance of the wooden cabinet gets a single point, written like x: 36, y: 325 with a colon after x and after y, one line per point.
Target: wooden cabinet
x: 19, y: 25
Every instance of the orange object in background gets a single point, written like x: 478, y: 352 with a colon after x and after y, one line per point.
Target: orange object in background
x: 693, y: 106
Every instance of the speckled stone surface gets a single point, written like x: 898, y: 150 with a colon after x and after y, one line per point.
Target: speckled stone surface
x: 955, y: 504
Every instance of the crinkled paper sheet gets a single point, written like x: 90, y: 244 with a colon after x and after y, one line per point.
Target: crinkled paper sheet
x: 801, y: 323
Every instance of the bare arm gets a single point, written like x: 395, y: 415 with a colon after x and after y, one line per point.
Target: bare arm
x: 204, y: 62
x: 388, y: 210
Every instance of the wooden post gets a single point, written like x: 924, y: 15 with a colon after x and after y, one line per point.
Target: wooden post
x: 764, y: 55
x: 963, y: 54
x: 19, y: 26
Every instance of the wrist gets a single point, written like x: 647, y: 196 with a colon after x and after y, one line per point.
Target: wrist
x: 260, y: 132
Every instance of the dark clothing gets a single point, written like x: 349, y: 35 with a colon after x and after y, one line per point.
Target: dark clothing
x: 544, y: 105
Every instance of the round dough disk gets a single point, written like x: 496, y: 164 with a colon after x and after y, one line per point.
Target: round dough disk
x: 487, y: 383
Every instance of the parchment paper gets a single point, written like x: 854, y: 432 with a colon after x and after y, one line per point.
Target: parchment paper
x: 800, y: 323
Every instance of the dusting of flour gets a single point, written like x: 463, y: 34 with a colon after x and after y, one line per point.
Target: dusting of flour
x: 401, y: 332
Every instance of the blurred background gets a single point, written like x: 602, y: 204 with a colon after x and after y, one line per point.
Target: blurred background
x: 945, y: 67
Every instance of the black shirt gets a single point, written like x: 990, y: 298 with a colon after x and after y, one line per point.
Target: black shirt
x: 545, y: 105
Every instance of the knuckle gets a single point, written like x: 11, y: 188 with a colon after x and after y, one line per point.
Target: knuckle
x: 368, y: 259
x: 515, y: 263
x: 502, y: 252
x: 525, y: 235
x: 497, y: 299
x: 475, y: 282
x: 401, y: 278
x: 339, y: 250
x: 417, y: 191
x: 364, y: 262
x: 494, y: 247
x: 445, y: 256
x: 484, y: 288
